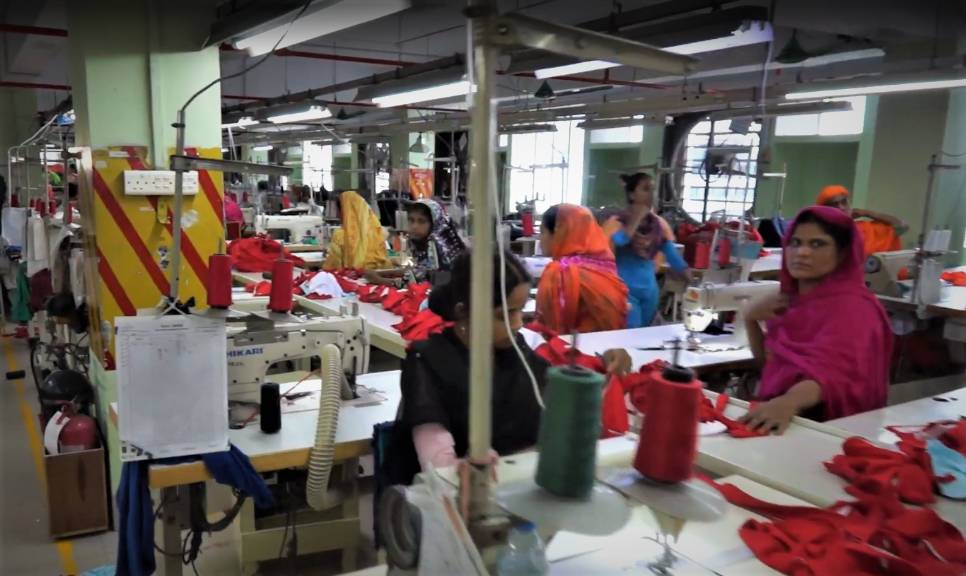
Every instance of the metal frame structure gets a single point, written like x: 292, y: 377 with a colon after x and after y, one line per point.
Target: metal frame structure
x: 489, y: 31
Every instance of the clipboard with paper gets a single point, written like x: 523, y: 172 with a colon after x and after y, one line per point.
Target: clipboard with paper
x: 172, y: 386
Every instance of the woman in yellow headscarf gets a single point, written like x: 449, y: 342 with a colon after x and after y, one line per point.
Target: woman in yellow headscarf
x: 359, y: 244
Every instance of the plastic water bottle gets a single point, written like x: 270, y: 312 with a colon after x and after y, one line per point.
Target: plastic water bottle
x: 524, y: 554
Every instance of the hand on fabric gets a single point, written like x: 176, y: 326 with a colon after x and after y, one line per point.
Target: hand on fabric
x: 775, y: 414
x: 764, y: 309
x: 617, y: 362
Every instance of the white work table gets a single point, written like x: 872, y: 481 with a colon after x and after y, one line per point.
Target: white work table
x: 793, y: 462
x: 952, y: 299
x: 290, y: 446
x: 380, y: 321
x: 720, y: 350
x: 872, y: 425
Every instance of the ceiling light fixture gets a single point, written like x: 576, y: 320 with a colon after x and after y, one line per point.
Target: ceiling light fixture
x: 320, y: 20
x: 419, y: 147
x: 753, y: 33
x: 313, y: 113
x: 449, y: 90
x: 241, y: 122
x: 262, y: 148
x: 884, y: 88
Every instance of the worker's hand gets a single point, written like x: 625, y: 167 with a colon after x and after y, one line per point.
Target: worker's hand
x: 617, y: 362
x: 764, y: 309
x: 772, y: 416
x: 612, y: 226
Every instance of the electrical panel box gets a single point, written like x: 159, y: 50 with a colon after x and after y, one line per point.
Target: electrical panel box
x: 157, y: 182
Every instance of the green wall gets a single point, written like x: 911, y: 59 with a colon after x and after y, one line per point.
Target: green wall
x: 342, y: 180
x: 949, y: 205
x: 602, y: 186
x: 810, y: 166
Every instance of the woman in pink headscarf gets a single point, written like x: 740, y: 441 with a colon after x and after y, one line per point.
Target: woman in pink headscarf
x: 828, y: 343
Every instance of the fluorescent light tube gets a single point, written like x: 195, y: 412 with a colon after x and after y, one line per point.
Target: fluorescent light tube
x: 262, y: 148
x: 878, y: 89
x: 241, y: 123
x: 756, y: 33
x: 325, y: 19
x: 313, y: 113
x: 459, y: 88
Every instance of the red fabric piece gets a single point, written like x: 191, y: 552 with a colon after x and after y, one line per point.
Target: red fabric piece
x: 315, y: 296
x: 715, y: 413
x: 877, y: 470
x: 955, y: 436
x: 872, y: 536
x: 421, y: 326
x: 613, y: 417
x: 262, y: 288
x: 258, y: 254
x: 954, y: 278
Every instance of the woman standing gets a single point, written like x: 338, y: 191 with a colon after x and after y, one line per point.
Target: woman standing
x: 828, y: 345
x: 641, y: 237
x: 580, y: 289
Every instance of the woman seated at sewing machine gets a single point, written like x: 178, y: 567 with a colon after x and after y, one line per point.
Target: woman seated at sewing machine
x: 359, y: 244
x: 434, y: 244
x: 433, y: 422
x: 828, y: 344
x: 580, y: 290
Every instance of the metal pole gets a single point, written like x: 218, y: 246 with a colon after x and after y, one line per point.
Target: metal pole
x: 176, y: 225
x: 483, y: 129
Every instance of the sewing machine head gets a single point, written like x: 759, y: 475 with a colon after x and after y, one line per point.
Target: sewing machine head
x: 290, y: 228
x: 254, y: 349
x: 882, y: 271
x: 703, y: 302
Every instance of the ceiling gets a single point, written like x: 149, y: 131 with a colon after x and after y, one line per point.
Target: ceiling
x: 845, y: 38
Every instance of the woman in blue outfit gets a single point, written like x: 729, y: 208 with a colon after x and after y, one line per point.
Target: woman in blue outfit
x: 641, y: 236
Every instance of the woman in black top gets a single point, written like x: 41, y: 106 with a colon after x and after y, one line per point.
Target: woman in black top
x: 433, y: 423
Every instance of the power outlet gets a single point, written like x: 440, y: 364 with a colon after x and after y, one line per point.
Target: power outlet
x: 157, y: 183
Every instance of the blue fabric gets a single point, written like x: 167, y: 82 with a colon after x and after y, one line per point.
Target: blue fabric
x: 950, y: 463
x: 135, y: 542
x: 639, y: 276
x: 232, y: 467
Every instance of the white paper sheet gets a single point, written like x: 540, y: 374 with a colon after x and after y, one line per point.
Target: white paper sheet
x: 172, y: 379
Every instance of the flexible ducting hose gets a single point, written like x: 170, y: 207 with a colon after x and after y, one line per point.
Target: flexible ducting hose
x: 323, y: 452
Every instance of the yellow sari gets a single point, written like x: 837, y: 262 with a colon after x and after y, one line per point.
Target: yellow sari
x: 359, y: 244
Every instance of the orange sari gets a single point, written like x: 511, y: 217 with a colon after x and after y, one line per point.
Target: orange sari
x: 580, y: 290
x: 878, y: 236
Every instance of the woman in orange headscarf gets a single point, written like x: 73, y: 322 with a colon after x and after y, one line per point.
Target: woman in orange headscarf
x: 880, y: 232
x: 580, y: 290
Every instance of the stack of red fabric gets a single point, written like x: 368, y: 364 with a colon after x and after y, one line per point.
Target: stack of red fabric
x: 258, y: 253
x: 954, y: 278
x: 417, y: 324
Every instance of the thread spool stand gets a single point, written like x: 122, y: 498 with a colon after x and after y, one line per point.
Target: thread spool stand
x: 661, y: 484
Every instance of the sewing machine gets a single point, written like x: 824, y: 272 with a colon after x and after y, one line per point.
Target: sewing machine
x: 290, y: 228
x: 252, y: 350
x: 701, y: 304
x: 882, y: 271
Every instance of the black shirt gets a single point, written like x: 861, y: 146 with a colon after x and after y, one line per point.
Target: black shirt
x: 435, y: 389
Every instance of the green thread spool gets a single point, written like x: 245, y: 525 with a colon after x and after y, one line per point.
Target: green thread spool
x: 569, y: 430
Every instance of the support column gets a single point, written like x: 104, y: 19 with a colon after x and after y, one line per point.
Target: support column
x: 133, y: 65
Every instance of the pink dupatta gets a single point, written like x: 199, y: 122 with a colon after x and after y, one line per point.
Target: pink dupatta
x: 838, y: 334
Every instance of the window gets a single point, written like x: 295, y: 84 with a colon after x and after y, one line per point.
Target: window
x: 843, y: 123
x: 547, y: 166
x: 623, y: 135
x: 317, y: 165
x: 716, y: 167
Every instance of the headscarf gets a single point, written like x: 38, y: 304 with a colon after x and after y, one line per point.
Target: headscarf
x: 829, y: 192
x: 837, y: 335
x: 876, y: 236
x: 359, y: 244
x: 580, y: 290
x: 443, y: 244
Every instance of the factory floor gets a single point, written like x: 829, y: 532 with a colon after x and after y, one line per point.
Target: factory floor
x: 26, y: 548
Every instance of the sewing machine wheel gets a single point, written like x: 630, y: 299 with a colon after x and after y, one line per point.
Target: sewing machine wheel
x: 400, y: 525
x: 872, y: 265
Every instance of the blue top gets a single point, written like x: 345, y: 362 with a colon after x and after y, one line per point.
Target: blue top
x: 637, y: 272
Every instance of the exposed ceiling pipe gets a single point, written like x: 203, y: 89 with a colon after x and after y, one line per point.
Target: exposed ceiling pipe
x: 638, y: 16
x: 34, y: 85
